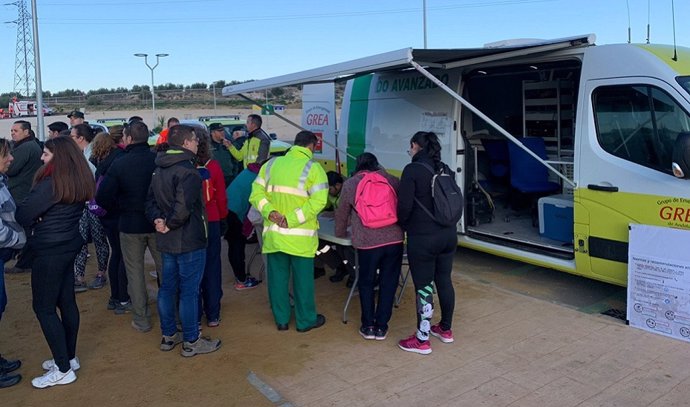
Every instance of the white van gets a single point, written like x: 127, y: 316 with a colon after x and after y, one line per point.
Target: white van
x: 22, y: 108
x: 560, y: 144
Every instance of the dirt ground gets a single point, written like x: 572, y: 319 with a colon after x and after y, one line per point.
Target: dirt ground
x: 122, y: 367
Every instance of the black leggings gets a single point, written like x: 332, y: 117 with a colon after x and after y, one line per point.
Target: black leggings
x: 236, y: 244
x: 52, y: 286
x: 431, y: 260
x: 116, y: 265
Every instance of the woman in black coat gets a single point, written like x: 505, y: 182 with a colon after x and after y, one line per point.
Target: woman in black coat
x: 51, y: 214
x: 430, y: 246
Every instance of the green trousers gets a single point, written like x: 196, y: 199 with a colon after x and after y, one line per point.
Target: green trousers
x: 280, y: 267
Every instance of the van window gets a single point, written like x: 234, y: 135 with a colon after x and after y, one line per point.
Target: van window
x: 639, y: 123
x: 684, y: 81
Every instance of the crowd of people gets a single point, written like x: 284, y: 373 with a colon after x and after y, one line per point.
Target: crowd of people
x: 178, y: 200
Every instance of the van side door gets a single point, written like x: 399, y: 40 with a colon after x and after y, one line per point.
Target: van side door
x: 623, y: 169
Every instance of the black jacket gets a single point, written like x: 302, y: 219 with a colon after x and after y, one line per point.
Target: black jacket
x: 175, y: 196
x: 101, y: 171
x: 415, y: 181
x: 48, y: 223
x: 125, y: 187
x: 27, y: 160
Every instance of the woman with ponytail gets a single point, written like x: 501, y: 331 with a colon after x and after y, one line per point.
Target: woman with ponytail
x: 430, y: 246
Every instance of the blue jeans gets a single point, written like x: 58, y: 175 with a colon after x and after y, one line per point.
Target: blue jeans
x: 212, y: 281
x: 181, y: 273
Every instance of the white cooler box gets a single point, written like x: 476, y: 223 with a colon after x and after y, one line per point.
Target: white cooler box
x: 556, y: 217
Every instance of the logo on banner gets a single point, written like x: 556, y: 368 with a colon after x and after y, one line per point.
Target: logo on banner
x: 319, y: 142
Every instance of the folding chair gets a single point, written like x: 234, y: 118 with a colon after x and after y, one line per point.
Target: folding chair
x: 255, y: 253
x: 404, y: 276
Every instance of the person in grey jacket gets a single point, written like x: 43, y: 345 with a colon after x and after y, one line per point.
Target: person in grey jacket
x: 11, y: 237
x: 378, y: 249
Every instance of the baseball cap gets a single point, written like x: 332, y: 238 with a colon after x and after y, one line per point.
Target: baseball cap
x: 76, y: 113
x: 216, y: 126
x: 58, y: 126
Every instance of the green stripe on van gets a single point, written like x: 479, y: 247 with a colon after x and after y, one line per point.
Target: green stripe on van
x: 357, y: 121
x: 665, y: 53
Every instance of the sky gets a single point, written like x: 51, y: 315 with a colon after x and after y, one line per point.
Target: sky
x: 90, y: 44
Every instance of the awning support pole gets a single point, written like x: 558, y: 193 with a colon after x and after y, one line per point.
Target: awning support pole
x: 489, y: 121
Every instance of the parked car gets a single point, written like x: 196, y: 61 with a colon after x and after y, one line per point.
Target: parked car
x: 112, y: 121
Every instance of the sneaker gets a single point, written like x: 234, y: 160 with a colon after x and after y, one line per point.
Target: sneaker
x: 50, y: 364
x: 121, y: 309
x: 412, y: 344
x: 367, y: 332
x: 168, y: 343
x: 140, y: 328
x: 9, y: 366
x: 380, y: 334
x: 112, y: 304
x: 200, y: 346
x: 153, y: 275
x: 444, y: 336
x: 213, y: 323
x: 9, y: 380
x: 250, y: 282
x: 80, y: 287
x: 98, y: 282
x: 54, y: 377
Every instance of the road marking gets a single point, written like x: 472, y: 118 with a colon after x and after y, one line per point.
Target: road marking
x: 269, y: 392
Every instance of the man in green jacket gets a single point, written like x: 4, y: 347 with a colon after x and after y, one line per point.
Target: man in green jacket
x: 290, y: 192
x: 258, y: 145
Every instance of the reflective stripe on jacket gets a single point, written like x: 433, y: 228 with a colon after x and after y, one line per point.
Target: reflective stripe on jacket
x: 296, y: 187
x: 255, y: 149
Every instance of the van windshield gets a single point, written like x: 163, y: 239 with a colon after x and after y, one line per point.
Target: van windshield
x: 684, y: 81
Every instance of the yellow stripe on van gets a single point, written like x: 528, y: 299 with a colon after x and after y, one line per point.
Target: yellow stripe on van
x: 622, y: 208
x: 665, y: 53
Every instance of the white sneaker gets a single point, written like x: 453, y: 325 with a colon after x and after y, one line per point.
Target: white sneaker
x: 54, y: 377
x: 50, y: 364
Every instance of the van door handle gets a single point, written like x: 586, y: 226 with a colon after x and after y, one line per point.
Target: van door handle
x: 602, y: 188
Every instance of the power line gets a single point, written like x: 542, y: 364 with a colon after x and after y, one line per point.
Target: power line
x: 244, y: 18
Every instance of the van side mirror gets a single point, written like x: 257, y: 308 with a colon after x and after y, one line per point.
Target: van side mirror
x: 681, y: 156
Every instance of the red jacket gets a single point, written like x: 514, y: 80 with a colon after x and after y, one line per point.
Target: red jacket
x: 214, y: 193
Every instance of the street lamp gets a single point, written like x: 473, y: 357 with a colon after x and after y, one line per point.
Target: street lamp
x: 153, y: 94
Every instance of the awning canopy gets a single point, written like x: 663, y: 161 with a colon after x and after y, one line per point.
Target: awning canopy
x: 401, y: 59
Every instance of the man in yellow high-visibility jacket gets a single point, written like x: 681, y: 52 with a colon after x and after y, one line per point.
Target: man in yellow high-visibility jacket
x: 257, y: 146
x: 290, y: 192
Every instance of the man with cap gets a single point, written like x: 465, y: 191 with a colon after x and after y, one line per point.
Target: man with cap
x: 75, y: 117
x: 230, y: 166
x: 54, y: 129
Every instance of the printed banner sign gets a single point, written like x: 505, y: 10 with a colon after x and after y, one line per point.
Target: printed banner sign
x: 659, y: 281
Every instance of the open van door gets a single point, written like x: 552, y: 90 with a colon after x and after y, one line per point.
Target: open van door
x: 627, y: 138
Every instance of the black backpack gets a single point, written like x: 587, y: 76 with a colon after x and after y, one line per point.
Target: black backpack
x: 447, y: 196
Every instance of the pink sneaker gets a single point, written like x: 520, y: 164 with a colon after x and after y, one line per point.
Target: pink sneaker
x: 412, y: 344
x: 444, y: 336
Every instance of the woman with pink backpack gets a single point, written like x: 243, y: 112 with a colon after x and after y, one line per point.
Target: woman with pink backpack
x: 368, y: 203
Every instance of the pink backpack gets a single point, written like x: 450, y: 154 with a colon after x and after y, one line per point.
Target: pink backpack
x: 376, y: 201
